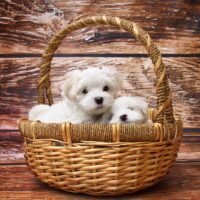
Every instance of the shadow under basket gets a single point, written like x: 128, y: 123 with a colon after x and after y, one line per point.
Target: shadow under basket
x: 98, y: 159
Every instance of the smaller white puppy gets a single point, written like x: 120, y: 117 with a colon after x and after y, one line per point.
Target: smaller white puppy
x: 87, y: 95
x: 129, y: 110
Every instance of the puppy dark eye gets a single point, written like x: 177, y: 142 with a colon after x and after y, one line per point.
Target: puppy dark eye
x: 130, y: 108
x: 105, y: 88
x: 85, y: 91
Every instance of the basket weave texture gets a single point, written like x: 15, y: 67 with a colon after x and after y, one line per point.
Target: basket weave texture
x: 99, y: 159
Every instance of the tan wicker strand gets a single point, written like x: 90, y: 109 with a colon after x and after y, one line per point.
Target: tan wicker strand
x: 68, y: 133
x: 164, y: 106
x: 64, y: 132
x: 162, y: 86
x: 33, y: 124
x: 116, y: 132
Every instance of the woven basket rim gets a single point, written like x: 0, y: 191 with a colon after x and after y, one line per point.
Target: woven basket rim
x: 77, y: 133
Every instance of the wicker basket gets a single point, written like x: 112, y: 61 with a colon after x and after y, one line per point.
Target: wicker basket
x: 98, y: 159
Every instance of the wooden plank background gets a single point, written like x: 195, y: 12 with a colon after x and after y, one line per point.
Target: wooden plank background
x: 25, y: 29
x: 27, y: 26
x: 174, y: 26
x: 19, y: 83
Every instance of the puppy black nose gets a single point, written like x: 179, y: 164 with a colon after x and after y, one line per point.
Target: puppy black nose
x: 124, y: 117
x: 98, y: 100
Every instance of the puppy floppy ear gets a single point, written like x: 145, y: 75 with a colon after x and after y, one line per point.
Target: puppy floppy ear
x: 115, y: 76
x: 70, y: 81
x: 143, y: 105
x: 144, y: 110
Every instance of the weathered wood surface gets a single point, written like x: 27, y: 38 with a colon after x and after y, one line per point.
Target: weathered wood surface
x: 183, y: 182
x: 19, y: 78
x: 26, y: 26
x: 11, y: 148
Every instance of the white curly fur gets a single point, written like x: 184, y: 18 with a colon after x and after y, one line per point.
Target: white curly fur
x: 80, y: 89
x: 127, y: 109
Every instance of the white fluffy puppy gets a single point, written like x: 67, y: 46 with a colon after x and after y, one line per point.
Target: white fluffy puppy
x: 87, y: 95
x: 129, y: 110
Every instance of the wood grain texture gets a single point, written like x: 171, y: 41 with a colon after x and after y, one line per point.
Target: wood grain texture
x: 18, y: 82
x: 11, y: 148
x: 26, y: 26
x: 183, y: 182
x: 12, y: 152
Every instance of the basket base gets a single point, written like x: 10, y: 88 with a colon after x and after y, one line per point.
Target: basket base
x: 101, y: 170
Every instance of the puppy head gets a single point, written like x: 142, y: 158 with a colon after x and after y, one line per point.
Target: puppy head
x: 93, y: 89
x: 129, y: 110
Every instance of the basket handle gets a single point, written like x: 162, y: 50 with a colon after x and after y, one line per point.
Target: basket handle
x: 164, y: 100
